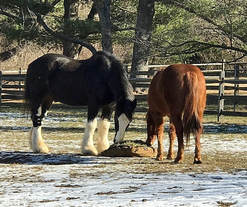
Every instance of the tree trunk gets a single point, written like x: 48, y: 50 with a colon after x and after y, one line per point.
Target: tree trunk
x: 70, y: 12
x: 143, y: 34
x: 103, y: 9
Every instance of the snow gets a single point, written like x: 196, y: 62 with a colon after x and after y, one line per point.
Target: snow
x: 92, y: 184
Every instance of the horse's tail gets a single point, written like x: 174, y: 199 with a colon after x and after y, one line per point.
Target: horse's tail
x: 191, y: 121
x: 27, y: 94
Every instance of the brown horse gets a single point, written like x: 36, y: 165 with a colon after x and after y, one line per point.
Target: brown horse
x: 179, y: 92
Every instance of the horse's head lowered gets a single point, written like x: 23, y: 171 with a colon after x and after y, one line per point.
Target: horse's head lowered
x: 123, y: 116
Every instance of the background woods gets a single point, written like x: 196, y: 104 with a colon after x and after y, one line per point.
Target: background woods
x: 138, y: 31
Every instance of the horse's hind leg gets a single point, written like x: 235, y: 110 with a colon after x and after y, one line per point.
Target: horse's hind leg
x: 38, y: 111
x: 155, y: 128
x: 177, y: 121
x: 172, y: 136
x: 197, y: 158
x: 160, y: 133
x: 103, y: 129
x: 151, y: 136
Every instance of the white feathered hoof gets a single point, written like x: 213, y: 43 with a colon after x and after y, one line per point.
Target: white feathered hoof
x: 102, y: 139
x: 41, y: 148
x: 102, y: 147
x: 36, y: 141
x: 89, y: 150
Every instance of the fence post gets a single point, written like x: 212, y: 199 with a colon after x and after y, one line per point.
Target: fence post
x: 236, y: 85
x: 1, y: 78
x: 20, y: 81
x: 221, y: 91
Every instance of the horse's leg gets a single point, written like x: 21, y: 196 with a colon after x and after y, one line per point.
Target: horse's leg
x: 103, y: 129
x: 159, y: 131
x: 197, y: 158
x: 172, y: 136
x: 150, y: 129
x: 88, y: 147
x: 177, y: 121
x: 38, y: 111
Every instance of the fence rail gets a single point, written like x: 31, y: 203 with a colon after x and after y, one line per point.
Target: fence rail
x: 11, y: 86
x: 226, y: 85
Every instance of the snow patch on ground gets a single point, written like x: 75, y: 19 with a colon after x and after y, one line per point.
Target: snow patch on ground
x: 88, y: 185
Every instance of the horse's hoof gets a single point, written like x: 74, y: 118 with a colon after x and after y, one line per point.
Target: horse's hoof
x: 197, y: 161
x: 43, y: 149
x: 169, y: 157
x: 178, y: 161
x: 101, y: 149
x: 159, y: 157
x: 90, y: 151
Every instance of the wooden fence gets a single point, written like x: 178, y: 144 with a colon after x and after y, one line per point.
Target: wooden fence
x: 11, y: 86
x: 226, y: 85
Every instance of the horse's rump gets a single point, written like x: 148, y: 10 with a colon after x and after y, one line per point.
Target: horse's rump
x: 179, y: 92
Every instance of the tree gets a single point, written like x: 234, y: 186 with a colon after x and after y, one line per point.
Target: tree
x: 70, y: 13
x: 103, y: 9
x: 178, y: 30
x: 27, y: 21
x: 222, y: 26
x: 143, y: 33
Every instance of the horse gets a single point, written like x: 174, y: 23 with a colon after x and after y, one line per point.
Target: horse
x: 100, y: 83
x: 178, y: 92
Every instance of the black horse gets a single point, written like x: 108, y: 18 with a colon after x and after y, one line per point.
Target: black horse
x: 100, y: 82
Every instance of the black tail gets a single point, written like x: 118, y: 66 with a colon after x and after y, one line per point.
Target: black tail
x: 27, y: 96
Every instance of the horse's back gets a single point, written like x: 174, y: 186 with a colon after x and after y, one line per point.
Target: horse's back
x: 169, y: 88
x: 50, y: 62
x: 74, y: 82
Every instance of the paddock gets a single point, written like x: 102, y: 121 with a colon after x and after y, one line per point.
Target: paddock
x: 65, y: 177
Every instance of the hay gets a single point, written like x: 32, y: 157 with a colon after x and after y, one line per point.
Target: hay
x: 130, y: 148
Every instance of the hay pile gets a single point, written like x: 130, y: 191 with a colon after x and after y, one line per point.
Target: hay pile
x: 130, y: 148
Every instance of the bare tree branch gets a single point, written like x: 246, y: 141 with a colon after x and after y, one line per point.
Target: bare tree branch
x: 218, y: 46
x: 196, y: 46
x: 200, y: 15
x: 2, y: 12
x: 64, y: 37
x: 92, y: 12
x: 55, y: 2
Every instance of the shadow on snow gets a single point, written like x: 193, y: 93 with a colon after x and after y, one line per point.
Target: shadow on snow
x: 31, y: 158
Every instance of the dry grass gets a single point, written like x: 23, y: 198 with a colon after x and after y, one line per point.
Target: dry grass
x: 31, y: 51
